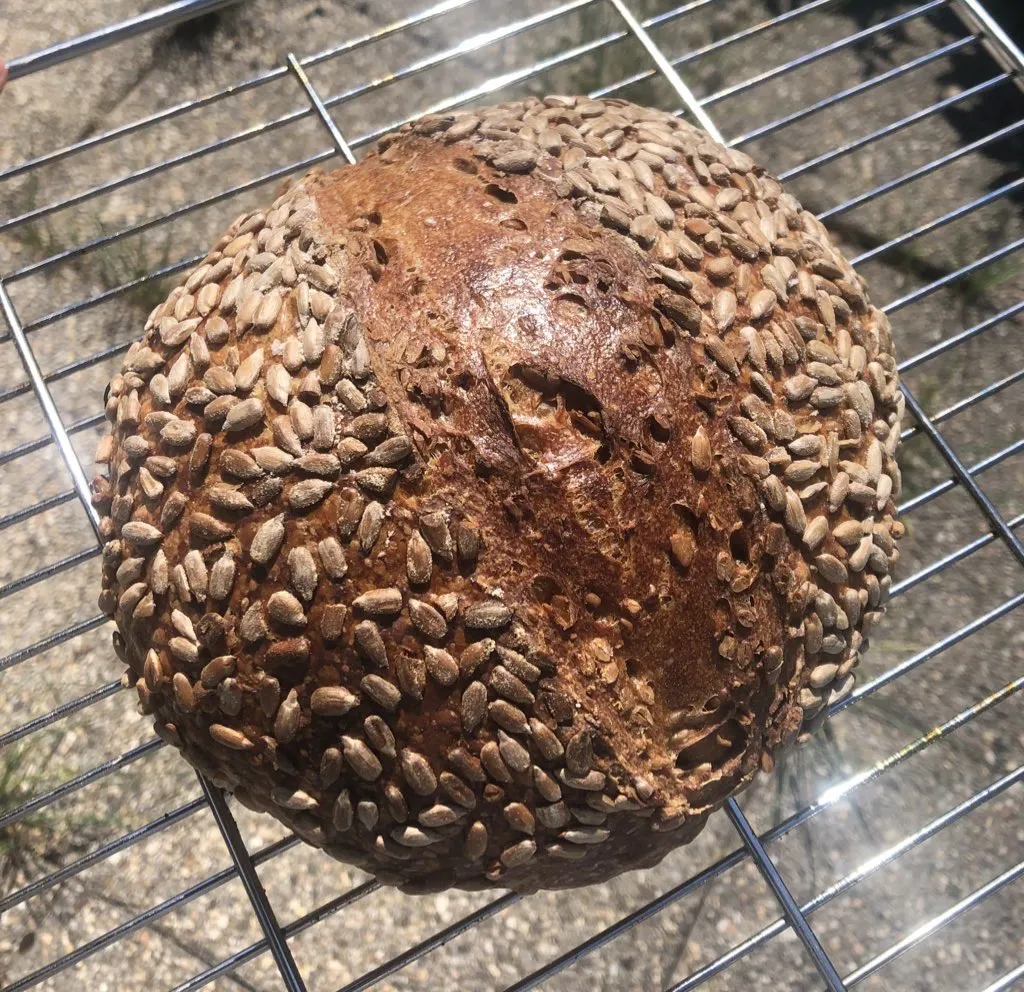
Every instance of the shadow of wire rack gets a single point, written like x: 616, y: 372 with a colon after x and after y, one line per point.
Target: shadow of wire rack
x: 901, y: 124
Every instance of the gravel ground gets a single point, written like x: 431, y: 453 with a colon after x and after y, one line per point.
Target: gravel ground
x: 104, y: 90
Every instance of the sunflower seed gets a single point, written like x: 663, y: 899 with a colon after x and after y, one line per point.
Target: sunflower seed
x: 158, y: 574
x: 448, y: 604
x: 368, y: 427
x: 242, y: 416
x: 215, y: 407
x: 381, y: 691
x: 253, y: 627
x: 476, y: 841
x: 798, y: 387
x: 183, y: 693
x: 229, y: 697
x: 409, y: 836
x: 302, y: 572
x: 438, y: 815
x: 264, y: 310
x: 140, y: 534
x: 368, y: 639
x: 579, y: 754
x: 411, y: 671
x: 301, y: 418
x: 154, y: 671
x: 292, y: 357
x: 393, y: 451
x: 504, y: 683
x: 264, y: 491
x: 549, y: 745
x: 341, y: 812
x: 849, y: 532
x: 267, y: 541
x: 474, y: 702
x: 585, y: 835
x: 368, y: 814
x: 831, y: 569
x: 332, y: 621
x: 860, y: 493
x: 183, y: 649
x: 278, y: 384
x: 724, y: 309
x: 427, y: 620
x: 135, y: 447
x: 379, y: 734
x: 151, y: 488
x: 230, y: 737
x: 350, y: 396
x: 800, y: 471
x: 827, y: 397
x: 380, y: 602
x: 434, y: 529
x: 508, y: 717
x: 418, y: 560
x: 332, y: 700
x: 700, y: 452
x: 323, y: 428
x: 249, y: 371
x: 417, y: 772
x: 487, y: 615
x: 269, y: 459
x: 722, y: 355
x: 333, y: 558
x: 219, y: 380
x: 361, y: 759
x: 229, y: 499
x: 284, y: 608
x: 473, y: 655
x: 197, y: 574
x: 179, y: 433
x: 860, y: 556
x: 546, y: 786
x: 815, y: 532
x: 553, y: 817
x: 515, y: 160
x: 217, y: 670
x: 680, y: 310
x: 313, y: 342
x: 513, y: 753
x: 307, y: 494
x: 838, y: 491
x: 749, y: 433
x: 457, y: 790
x: 516, y: 663
x: 238, y: 464
x: 441, y: 666
x: 795, y: 518
x: 370, y: 522
x: 130, y: 571
x: 494, y: 764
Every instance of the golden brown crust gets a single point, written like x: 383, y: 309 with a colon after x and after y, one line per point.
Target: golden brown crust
x: 519, y: 492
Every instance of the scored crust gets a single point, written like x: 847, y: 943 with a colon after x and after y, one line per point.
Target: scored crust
x: 491, y: 510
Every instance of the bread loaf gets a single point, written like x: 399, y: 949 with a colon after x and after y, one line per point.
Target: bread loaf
x: 492, y: 510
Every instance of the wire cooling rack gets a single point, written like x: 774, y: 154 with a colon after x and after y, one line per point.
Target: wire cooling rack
x: 626, y: 50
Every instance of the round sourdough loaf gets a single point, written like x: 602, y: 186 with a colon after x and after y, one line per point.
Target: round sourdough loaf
x: 490, y: 511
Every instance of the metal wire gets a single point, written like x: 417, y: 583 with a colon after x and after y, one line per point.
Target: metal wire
x: 982, y: 30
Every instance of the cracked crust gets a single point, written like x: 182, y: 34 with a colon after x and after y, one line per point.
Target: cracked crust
x: 492, y: 510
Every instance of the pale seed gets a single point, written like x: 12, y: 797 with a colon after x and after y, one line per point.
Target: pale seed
x: 381, y: 691
x: 333, y: 700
